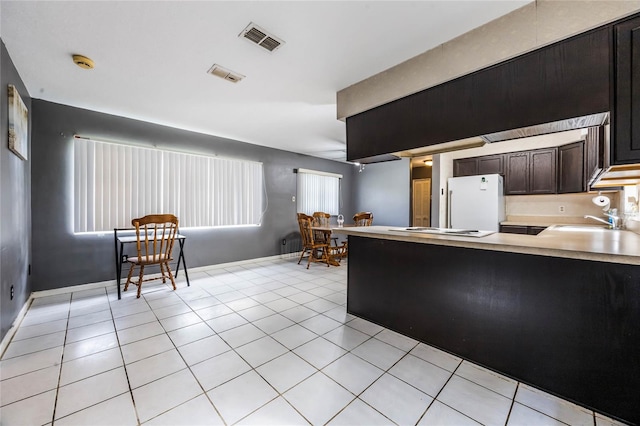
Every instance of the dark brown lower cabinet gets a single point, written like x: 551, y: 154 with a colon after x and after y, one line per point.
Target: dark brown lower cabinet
x: 521, y: 229
x: 513, y: 229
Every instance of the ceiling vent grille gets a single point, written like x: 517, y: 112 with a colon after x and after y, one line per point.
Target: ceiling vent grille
x: 225, y: 73
x: 261, y: 37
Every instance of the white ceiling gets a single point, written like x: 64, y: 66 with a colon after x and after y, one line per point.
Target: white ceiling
x: 152, y: 59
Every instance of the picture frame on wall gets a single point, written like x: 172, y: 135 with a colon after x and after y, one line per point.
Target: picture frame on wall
x: 18, y: 124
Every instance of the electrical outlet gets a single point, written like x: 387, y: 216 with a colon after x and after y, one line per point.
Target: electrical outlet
x: 293, y: 199
x: 12, y: 292
x: 561, y: 209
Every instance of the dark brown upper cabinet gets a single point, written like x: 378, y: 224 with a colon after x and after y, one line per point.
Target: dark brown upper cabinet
x: 626, y: 113
x: 542, y: 171
x: 485, y: 165
x: 465, y: 167
x: 570, y: 78
x: 571, y: 168
x: 594, y: 153
x: 516, y: 173
x: 491, y: 164
x: 531, y: 172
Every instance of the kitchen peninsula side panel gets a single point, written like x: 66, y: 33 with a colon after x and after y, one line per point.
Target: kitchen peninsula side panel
x: 566, y: 326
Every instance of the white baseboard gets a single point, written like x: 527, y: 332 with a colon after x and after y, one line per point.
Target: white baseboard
x: 14, y: 326
x: 91, y: 286
x: 71, y: 288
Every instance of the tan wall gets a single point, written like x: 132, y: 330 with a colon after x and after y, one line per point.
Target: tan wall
x: 540, y: 206
x: 525, y: 29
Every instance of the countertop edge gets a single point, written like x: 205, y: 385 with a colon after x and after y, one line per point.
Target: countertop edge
x: 512, y: 243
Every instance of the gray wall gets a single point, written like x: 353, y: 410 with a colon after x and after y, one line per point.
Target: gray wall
x: 384, y: 189
x: 15, y: 210
x: 61, y: 258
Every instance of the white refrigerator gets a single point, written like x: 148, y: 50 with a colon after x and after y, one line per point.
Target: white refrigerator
x: 476, y: 202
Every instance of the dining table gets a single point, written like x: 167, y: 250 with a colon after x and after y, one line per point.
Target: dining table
x: 327, y: 235
x: 122, y: 236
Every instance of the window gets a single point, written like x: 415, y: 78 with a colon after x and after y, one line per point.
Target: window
x: 318, y: 192
x: 115, y: 183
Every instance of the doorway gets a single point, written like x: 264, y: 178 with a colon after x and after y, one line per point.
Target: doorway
x: 421, y: 202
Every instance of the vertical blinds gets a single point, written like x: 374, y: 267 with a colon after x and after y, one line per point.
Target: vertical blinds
x: 115, y: 183
x: 318, y: 192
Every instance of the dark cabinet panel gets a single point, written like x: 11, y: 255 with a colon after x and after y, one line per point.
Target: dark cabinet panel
x: 593, y: 153
x: 465, y: 167
x: 566, y: 326
x: 516, y: 173
x: 626, y: 114
x: 514, y: 229
x: 534, y: 88
x: 491, y: 164
x: 535, y: 230
x: 542, y: 171
x: 521, y: 229
x: 485, y: 165
x: 571, y: 168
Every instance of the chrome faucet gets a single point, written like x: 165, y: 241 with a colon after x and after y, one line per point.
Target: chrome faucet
x: 613, y: 224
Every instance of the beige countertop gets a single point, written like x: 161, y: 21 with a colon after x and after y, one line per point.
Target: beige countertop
x: 578, y: 242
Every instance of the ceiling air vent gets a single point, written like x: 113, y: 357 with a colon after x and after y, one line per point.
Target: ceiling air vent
x: 261, y: 37
x: 225, y: 73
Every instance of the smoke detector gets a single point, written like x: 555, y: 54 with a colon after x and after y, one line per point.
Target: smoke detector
x: 83, y: 62
x: 261, y: 37
x: 225, y: 73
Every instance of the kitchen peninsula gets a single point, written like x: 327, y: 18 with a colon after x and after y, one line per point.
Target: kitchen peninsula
x: 559, y: 310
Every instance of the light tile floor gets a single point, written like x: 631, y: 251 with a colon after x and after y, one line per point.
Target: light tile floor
x: 268, y: 342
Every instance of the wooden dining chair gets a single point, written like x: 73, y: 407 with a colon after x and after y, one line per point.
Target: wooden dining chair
x: 363, y: 219
x: 155, y: 236
x: 316, y: 250
x: 323, y: 219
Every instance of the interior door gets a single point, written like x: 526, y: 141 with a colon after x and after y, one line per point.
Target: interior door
x: 422, y: 202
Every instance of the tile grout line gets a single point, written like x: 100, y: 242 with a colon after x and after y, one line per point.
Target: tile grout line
x: 435, y: 398
x: 513, y: 402
x: 64, y: 343
x: 124, y: 364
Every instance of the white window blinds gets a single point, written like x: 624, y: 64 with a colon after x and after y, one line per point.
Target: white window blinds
x: 318, y: 192
x: 115, y: 183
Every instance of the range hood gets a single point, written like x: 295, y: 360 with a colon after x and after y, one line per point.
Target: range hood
x: 616, y: 176
x: 592, y: 120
